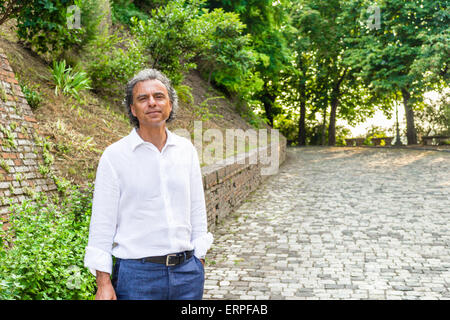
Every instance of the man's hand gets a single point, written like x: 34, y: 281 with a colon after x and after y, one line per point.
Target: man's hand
x: 105, y: 290
x: 203, y: 262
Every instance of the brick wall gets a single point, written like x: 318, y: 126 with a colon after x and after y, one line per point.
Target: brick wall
x: 19, y: 155
x: 228, y: 183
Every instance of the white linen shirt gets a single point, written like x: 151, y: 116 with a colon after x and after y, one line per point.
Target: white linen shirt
x: 146, y: 202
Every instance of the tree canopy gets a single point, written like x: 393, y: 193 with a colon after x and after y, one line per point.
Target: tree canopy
x: 300, y: 65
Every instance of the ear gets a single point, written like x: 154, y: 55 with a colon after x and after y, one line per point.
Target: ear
x: 133, y: 110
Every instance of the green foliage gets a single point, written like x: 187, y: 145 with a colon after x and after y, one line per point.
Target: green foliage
x: 42, y: 24
x: 229, y: 58
x: 248, y: 114
x: 203, y: 110
x: 8, y: 140
x: 265, y: 21
x: 3, y: 95
x: 184, y: 93
x: 34, y: 98
x: 433, y: 117
x: 112, y: 60
x: 407, y: 55
x: 69, y: 81
x: 147, y: 6
x: 288, y: 126
x: 92, y: 14
x: 9, y: 8
x: 341, y: 134
x: 374, y: 132
x: 123, y: 10
x: 41, y: 254
x: 171, y: 37
x: 5, y: 166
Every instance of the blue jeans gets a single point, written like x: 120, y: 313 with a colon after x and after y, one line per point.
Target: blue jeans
x: 139, y: 280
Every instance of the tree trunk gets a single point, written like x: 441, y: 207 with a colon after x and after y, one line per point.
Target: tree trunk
x: 411, y: 134
x: 324, y: 125
x: 335, y: 95
x: 268, y: 100
x: 301, y: 138
x: 301, y: 125
x: 332, y: 124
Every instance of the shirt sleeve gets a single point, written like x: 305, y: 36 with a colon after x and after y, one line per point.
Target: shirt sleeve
x: 102, y: 227
x: 201, y: 239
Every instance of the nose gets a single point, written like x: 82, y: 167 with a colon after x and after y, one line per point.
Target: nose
x: 152, y: 101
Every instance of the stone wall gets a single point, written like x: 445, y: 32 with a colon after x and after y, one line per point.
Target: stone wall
x: 19, y: 155
x: 229, y: 182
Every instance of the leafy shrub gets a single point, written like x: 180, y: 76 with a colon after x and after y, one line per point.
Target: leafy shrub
x: 229, y: 57
x: 172, y: 37
x: 68, y: 80
x: 113, y: 60
x: 42, y: 251
x: 184, y: 93
x: 33, y: 98
x: 203, y: 110
x: 123, y: 10
x: 43, y: 25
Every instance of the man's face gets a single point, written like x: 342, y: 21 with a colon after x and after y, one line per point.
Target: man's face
x: 151, y: 103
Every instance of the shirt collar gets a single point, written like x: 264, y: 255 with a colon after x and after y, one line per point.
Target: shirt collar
x: 136, y: 139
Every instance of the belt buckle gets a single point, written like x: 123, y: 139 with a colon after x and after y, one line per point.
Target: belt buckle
x: 168, y: 258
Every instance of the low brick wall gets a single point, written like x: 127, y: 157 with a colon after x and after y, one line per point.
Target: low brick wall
x: 19, y: 155
x: 228, y: 183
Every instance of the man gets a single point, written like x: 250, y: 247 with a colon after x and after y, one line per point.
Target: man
x: 148, y: 208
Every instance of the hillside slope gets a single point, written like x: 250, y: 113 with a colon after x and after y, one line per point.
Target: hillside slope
x: 79, y: 131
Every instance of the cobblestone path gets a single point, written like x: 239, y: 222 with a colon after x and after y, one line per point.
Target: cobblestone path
x: 339, y: 223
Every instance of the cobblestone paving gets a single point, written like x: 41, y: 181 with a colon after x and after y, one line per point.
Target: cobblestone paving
x: 339, y: 223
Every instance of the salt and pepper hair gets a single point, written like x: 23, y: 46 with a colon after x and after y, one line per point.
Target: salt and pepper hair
x: 144, y: 75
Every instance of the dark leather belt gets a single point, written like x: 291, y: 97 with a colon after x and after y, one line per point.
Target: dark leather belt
x: 172, y: 259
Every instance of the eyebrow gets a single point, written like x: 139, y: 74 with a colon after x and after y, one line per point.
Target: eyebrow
x: 146, y: 95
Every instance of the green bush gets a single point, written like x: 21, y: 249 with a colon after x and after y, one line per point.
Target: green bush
x: 43, y: 25
x: 42, y: 251
x: 172, y: 37
x: 112, y: 61
x: 123, y: 10
x: 228, y: 58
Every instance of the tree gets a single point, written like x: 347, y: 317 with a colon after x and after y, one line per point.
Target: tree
x: 228, y: 57
x: 433, y: 118
x: 263, y: 20
x: 389, y: 57
x: 322, y: 30
x: 9, y: 9
x: 171, y: 37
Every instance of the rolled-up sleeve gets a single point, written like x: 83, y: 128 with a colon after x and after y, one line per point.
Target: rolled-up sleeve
x: 201, y: 239
x: 104, y: 218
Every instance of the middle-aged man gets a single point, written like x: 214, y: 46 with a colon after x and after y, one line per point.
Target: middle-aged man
x: 148, y: 209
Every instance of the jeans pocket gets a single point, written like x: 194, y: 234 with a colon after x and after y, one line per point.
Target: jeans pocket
x: 200, y: 264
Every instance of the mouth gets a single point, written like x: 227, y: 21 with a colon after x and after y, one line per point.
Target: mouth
x: 153, y: 112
